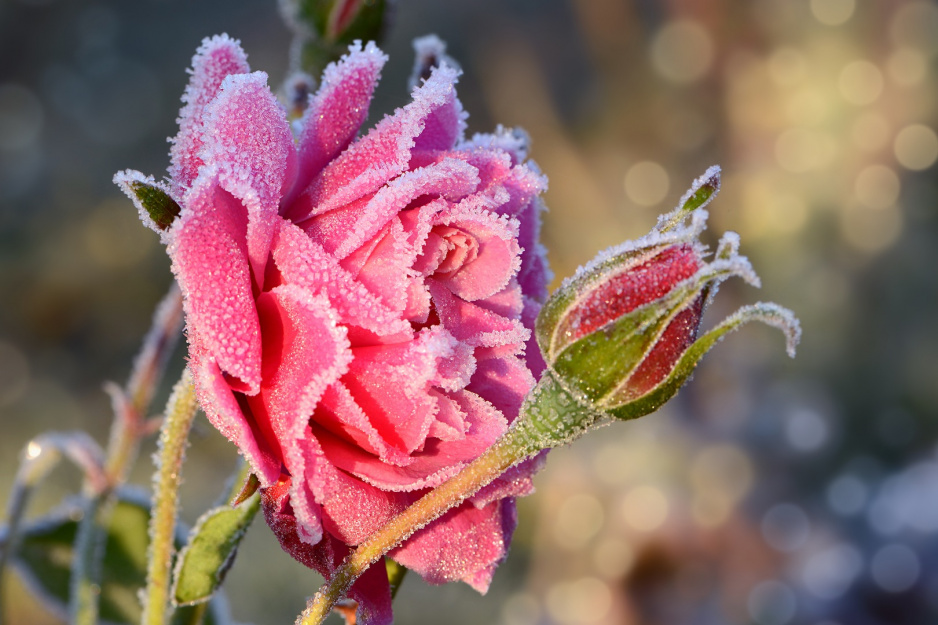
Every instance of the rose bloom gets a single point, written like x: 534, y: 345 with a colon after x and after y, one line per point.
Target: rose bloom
x: 358, y: 308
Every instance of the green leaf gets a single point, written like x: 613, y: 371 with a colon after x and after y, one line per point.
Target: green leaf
x: 210, y: 552
x: 45, y: 553
x: 161, y: 208
x: 699, y: 195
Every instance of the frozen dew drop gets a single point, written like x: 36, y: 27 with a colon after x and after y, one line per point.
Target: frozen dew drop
x: 786, y: 527
x: 772, y: 603
x: 895, y: 568
x: 33, y: 449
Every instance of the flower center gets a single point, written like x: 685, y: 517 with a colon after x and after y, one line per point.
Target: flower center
x: 460, y: 248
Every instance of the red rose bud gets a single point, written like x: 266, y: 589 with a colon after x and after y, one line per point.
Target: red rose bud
x: 621, y: 336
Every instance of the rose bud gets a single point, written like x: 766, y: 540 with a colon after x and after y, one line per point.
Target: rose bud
x: 621, y: 336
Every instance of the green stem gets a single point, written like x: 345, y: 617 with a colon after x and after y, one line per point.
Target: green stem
x: 174, y: 436
x: 551, y: 416
x: 130, y: 407
x: 89, y: 553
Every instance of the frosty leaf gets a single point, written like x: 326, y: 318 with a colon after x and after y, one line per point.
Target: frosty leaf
x: 213, y: 543
x: 698, y: 196
x: 157, y: 209
x: 45, y: 554
x: 161, y: 208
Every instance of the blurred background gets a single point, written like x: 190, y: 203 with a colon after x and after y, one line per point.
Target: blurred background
x: 770, y: 491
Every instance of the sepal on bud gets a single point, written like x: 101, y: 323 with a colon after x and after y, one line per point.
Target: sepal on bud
x: 620, y: 337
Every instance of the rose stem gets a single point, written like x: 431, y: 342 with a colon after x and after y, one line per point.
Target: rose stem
x: 130, y: 407
x: 171, y: 450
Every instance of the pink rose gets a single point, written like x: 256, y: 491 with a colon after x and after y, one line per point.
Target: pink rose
x: 358, y: 309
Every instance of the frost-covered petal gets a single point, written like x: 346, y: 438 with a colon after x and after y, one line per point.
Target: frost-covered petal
x: 495, y: 257
x: 383, y: 153
x: 208, y: 248
x: 371, y: 590
x: 215, y: 59
x: 223, y: 411
x: 303, y: 262
x: 353, y: 509
x: 249, y: 141
x: 338, y: 109
x: 390, y: 383
x: 436, y: 461
x: 501, y: 378
x: 304, y: 351
x: 339, y: 414
x: 464, y: 544
x: 472, y: 323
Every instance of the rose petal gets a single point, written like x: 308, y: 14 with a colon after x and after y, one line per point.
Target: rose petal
x: 340, y: 415
x: 464, y: 544
x: 383, y: 153
x: 371, y: 590
x: 497, y: 257
x: 501, y: 378
x: 223, y: 411
x: 209, y: 254
x: 304, y: 352
x: 337, y: 110
x: 473, y: 324
x: 215, y: 59
x: 303, y: 262
x: 436, y: 462
x: 247, y: 137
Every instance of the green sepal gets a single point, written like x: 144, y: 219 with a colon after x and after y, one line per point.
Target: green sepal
x: 561, y: 301
x: 163, y: 209
x: 771, y: 314
x: 210, y: 551
x: 46, y: 549
x: 396, y: 574
x: 699, y: 195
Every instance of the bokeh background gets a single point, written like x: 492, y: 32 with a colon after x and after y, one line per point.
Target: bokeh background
x: 770, y: 491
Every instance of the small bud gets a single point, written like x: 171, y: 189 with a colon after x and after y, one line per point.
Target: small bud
x: 621, y: 336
